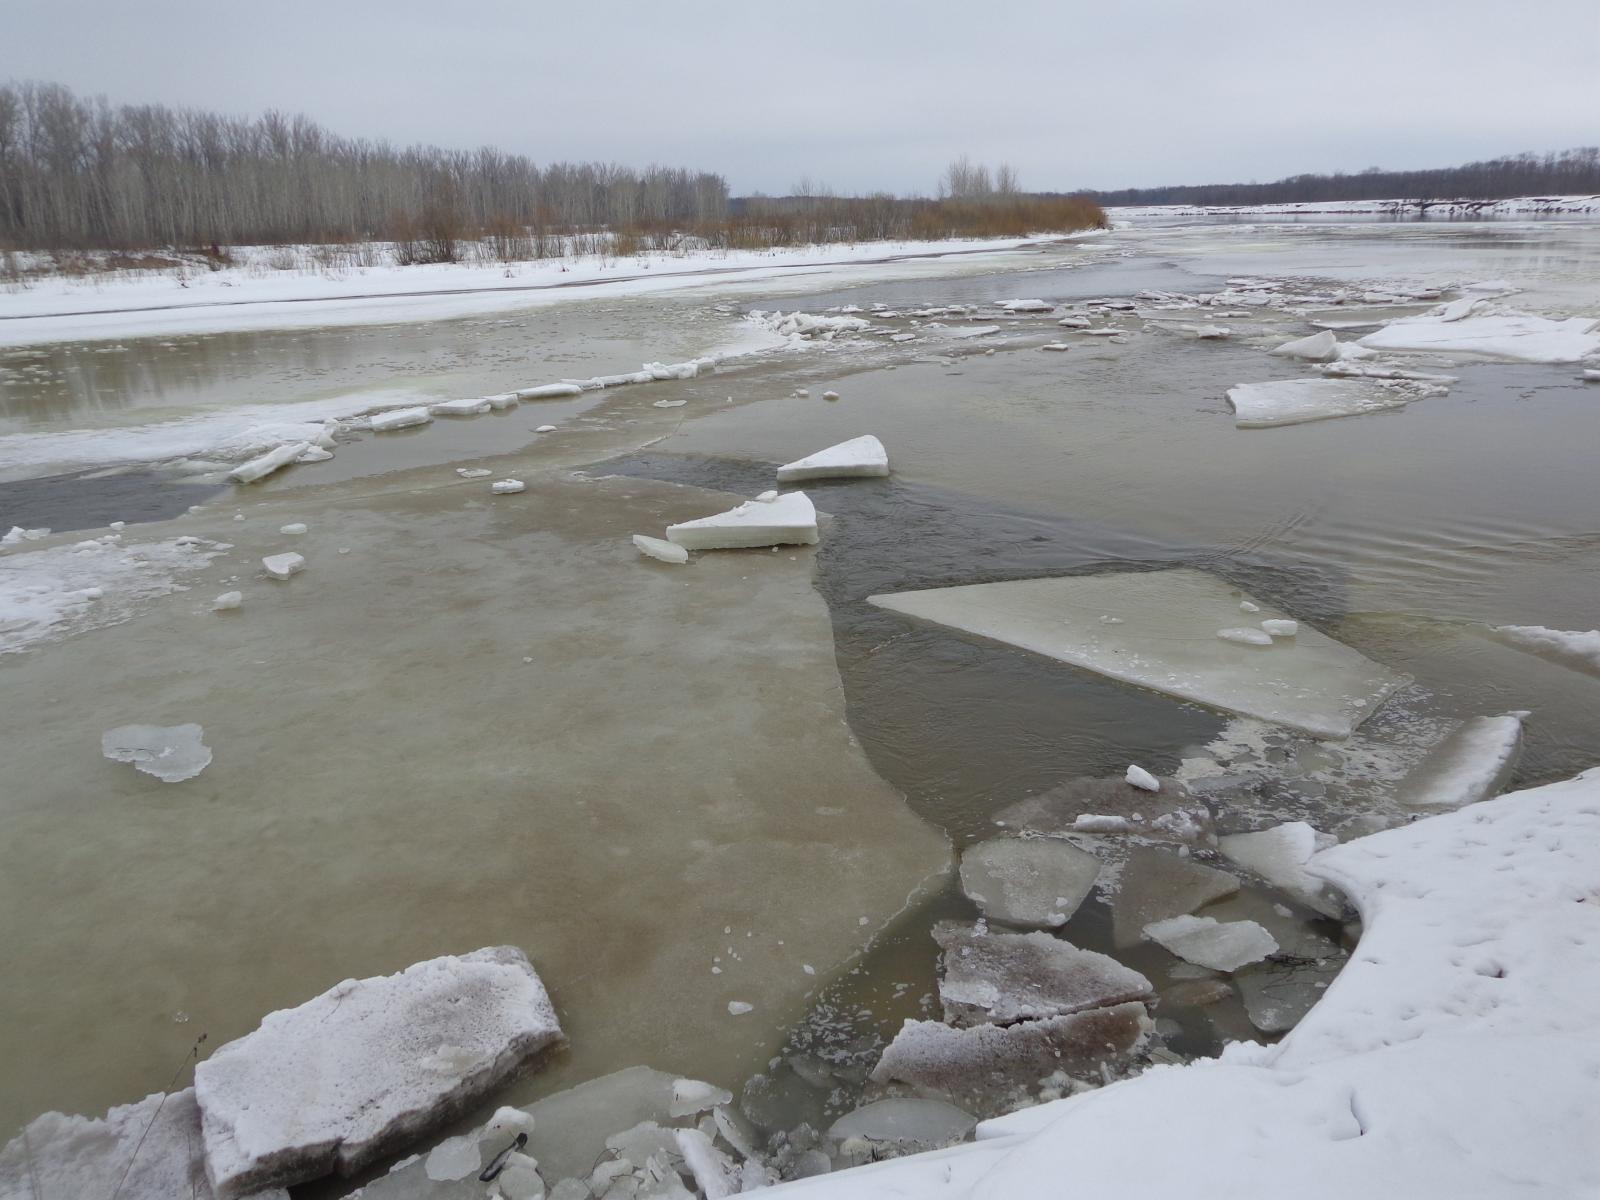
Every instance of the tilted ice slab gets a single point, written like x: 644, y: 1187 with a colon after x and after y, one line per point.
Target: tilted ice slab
x: 1280, y: 856
x: 1317, y: 347
x: 171, y: 753
x: 999, y: 978
x: 1297, y: 401
x: 367, y: 1067
x: 144, y: 1151
x: 1157, y: 885
x: 903, y: 1123
x: 1216, y: 945
x: 1470, y: 765
x: 1167, y: 641
x: 1038, y: 882
x: 1518, y: 337
x: 399, y: 418
x: 1578, y: 649
x: 1478, y: 962
x: 789, y: 519
x: 858, y: 458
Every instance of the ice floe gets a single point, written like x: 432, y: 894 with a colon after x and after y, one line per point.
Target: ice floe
x: 399, y: 418
x: 1157, y: 885
x: 228, y: 602
x: 1245, y: 636
x: 281, y: 566
x: 263, y: 465
x: 1167, y: 642
x: 861, y: 457
x: 1215, y: 945
x: 787, y: 519
x: 407, y: 1052
x: 1002, y: 978
x: 171, y: 753
x: 1032, y: 882
x: 1575, y: 648
x: 1112, y: 805
x: 1317, y: 347
x: 905, y: 1124
x: 1296, y: 401
x: 460, y: 408
x: 1470, y: 765
x: 550, y: 391
x: 1483, y: 333
x: 507, y: 487
x: 1138, y: 777
x: 1026, y: 306
x: 660, y: 550
x: 1279, y: 855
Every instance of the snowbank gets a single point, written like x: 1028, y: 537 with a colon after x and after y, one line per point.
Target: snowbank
x: 1458, y: 1054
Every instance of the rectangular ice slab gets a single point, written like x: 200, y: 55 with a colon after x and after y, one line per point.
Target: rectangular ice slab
x: 999, y: 978
x: 1167, y: 641
x: 400, y: 418
x: 1519, y: 337
x: 265, y: 464
x: 789, y: 519
x: 367, y: 1067
x: 1470, y: 765
x: 859, y: 457
x: 1296, y: 401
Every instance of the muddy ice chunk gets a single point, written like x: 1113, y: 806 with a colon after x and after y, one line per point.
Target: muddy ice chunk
x: 862, y: 457
x: 1156, y: 885
x: 1112, y: 805
x: 905, y: 1125
x: 1211, y: 944
x: 281, y: 566
x: 789, y: 519
x: 172, y: 753
x: 399, y: 418
x: 1138, y: 777
x: 1296, y: 401
x: 144, y: 1151
x: 410, y: 1051
x: 1038, y: 882
x: 1277, y: 995
x: 987, y: 1067
x: 1000, y: 978
x: 265, y: 464
x: 660, y: 550
x: 1470, y: 765
x: 1279, y: 855
x: 1166, y: 642
x: 1318, y: 347
x: 713, y: 1171
x: 571, y: 1126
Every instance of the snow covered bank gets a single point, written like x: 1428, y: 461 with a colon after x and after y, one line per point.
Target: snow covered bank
x: 1458, y: 1054
x: 253, y: 296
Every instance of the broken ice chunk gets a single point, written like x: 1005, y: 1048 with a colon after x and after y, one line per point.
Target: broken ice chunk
x: 1057, y: 346
x: 1321, y: 687
x: 1246, y: 637
x: 656, y: 548
x: 713, y: 1171
x: 1000, y: 978
x: 670, y: 403
x: 227, y: 602
x: 1026, y: 306
x: 690, y: 1096
x: 269, y: 1117
x: 1210, y: 944
x: 738, y: 1008
x: 1037, y: 882
x: 546, y: 429
x: 550, y: 391
x: 460, y: 408
x: 1279, y: 855
x: 399, y: 418
x: 281, y: 566
x: 1156, y: 885
x: 292, y: 530
x: 1280, y: 629
x: 1578, y: 649
x: 1074, y: 322
x: 1248, y: 606
x: 501, y: 402
x: 905, y: 1125
x: 987, y: 1067
x: 170, y: 753
x: 571, y: 1127
x: 857, y: 458
x: 1296, y: 401
x: 1470, y: 765
x: 473, y: 472
x: 507, y: 487
x: 1318, y: 347
x: 314, y: 454
x: 1142, y: 779
x: 791, y: 519
x: 265, y: 464
x: 830, y: 395
x: 1277, y: 995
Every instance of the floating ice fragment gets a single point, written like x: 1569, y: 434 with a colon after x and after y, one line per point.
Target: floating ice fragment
x: 266, y: 464
x: 1280, y: 628
x: 1470, y: 765
x: 292, y: 530
x: 400, y: 418
x: 690, y: 1096
x: 791, y: 519
x: 546, y: 429
x: 281, y: 566
x: 1156, y: 885
x: 460, y: 408
x: 830, y: 395
x: 118, y: 525
x: 1578, y: 649
x: 314, y: 454
x: 1296, y: 401
x: 1074, y: 322
x: 1279, y: 855
x: 502, y: 402
x: 170, y: 753
x: 905, y: 1125
x: 1032, y: 882
x: 227, y: 602
x: 550, y: 391
x: 656, y: 548
x: 1248, y: 606
x: 857, y: 458
x: 1210, y: 332
x: 670, y: 403
x: 1101, y: 823
x: 1211, y: 944
x: 1000, y: 978
x: 507, y: 487
x: 1026, y: 306
x: 738, y: 1008
x: 1059, y: 346
x: 473, y: 472
x: 1140, y: 778
x: 1246, y: 637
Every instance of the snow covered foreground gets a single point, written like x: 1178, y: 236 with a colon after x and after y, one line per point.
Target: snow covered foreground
x: 1457, y: 1055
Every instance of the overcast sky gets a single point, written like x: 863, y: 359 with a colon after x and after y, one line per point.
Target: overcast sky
x: 870, y: 94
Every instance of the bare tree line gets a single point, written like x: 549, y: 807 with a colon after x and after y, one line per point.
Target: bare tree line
x: 1566, y: 173
x: 78, y: 173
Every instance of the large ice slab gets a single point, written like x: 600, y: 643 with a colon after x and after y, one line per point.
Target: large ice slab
x: 785, y: 520
x: 1296, y: 401
x: 144, y: 1151
x: 1038, y: 882
x: 1166, y: 641
x: 1518, y: 337
x: 1000, y: 978
x: 986, y: 1067
x: 1470, y: 765
x: 862, y: 457
x: 1316, y: 347
x: 1575, y: 648
x: 367, y: 1067
x: 905, y: 1124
